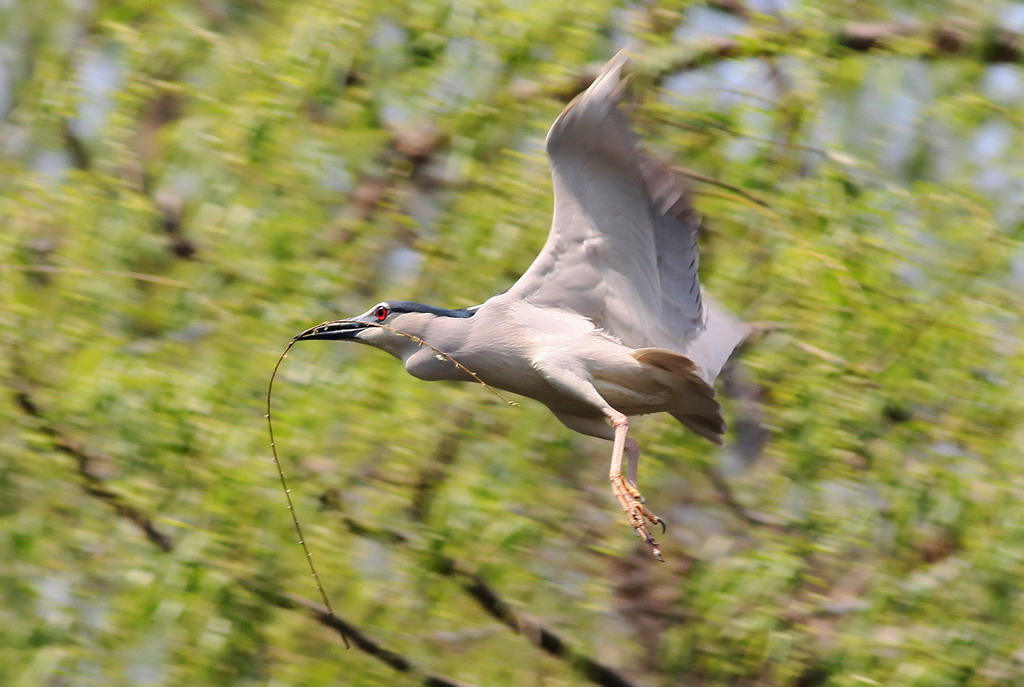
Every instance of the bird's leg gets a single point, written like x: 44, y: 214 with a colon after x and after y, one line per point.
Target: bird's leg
x: 629, y: 497
x: 632, y: 460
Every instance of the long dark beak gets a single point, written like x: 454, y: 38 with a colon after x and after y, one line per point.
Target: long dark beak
x: 333, y: 331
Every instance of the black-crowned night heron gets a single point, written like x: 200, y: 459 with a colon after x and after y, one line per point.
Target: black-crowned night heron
x: 609, y: 321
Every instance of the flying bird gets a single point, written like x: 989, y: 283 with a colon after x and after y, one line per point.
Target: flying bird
x: 609, y: 322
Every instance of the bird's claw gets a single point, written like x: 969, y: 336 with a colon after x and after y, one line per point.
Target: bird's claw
x: 650, y: 540
x: 632, y: 502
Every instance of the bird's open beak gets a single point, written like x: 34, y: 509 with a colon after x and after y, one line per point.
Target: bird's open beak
x: 343, y: 330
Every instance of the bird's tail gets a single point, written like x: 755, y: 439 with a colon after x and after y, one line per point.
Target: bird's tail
x: 711, y: 428
x: 696, y: 407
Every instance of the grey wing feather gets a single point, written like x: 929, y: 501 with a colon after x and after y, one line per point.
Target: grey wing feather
x: 676, y: 228
x: 691, y: 322
x: 622, y: 250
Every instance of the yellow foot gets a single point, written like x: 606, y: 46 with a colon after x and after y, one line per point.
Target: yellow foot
x: 632, y: 501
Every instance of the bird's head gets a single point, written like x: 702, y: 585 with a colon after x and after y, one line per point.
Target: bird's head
x: 389, y: 325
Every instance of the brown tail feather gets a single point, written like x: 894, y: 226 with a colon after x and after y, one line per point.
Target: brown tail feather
x: 711, y: 429
x: 703, y: 417
x: 677, y: 364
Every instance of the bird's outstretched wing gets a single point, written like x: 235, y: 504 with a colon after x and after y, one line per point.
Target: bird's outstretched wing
x: 622, y: 250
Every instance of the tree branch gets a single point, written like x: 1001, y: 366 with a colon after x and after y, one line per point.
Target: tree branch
x: 534, y: 632
x: 94, y: 484
x: 486, y: 596
x: 500, y: 609
x: 989, y: 44
x: 345, y: 629
x: 721, y: 184
x: 471, y: 583
x: 86, y: 460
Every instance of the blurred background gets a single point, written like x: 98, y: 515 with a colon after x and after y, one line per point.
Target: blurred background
x: 186, y: 184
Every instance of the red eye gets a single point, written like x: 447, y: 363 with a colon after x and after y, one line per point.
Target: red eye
x: 380, y: 313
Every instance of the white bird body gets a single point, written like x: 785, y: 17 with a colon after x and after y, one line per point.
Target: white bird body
x: 538, y: 347
x: 609, y: 321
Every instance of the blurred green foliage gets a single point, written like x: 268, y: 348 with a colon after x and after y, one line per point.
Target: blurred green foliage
x: 184, y: 185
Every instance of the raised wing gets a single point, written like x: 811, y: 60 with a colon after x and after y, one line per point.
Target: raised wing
x: 691, y: 321
x: 622, y: 250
